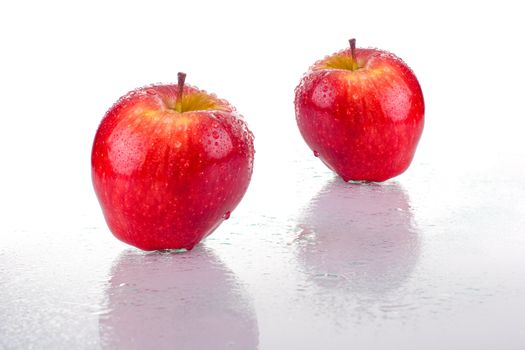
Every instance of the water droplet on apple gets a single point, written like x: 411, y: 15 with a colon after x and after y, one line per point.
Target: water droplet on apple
x: 355, y: 96
x: 177, y: 144
x: 151, y: 92
x: 316, y: 153
x: 215, y: 134
x: 226, y: 215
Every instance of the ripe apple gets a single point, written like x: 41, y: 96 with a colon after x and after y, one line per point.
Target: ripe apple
x: 361, y: 111
x: 169, y: 164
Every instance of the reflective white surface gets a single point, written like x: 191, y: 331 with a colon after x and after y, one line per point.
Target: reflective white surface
x: 432, y: 259
x: 427, y: 260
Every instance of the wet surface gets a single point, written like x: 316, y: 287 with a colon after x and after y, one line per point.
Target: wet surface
x: 428, y: 259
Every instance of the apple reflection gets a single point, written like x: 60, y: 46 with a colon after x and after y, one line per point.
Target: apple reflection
x: 166, y: 300
x: 358, y: 238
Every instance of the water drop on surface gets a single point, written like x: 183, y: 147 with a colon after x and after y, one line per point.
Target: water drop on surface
x: 316, y: 154
x: 177, y: 144
x: 215, y: 134
x: 151, y: 92
x: 226, y: 215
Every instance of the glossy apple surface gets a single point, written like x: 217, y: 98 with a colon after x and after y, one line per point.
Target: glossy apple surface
x: 361, y: 111
x: 168, y: 167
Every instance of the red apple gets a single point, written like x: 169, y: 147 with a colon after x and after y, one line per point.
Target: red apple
x: 361, y: 111
x: 169, y: 164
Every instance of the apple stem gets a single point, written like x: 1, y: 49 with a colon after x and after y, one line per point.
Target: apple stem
x: 352, y: 50
x: 180, y: 86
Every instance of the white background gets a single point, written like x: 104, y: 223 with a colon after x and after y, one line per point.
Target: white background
x: 63, y: 64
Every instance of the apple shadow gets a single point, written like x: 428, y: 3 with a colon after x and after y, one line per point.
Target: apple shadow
x: 360, y: 239
x: 161, y: 300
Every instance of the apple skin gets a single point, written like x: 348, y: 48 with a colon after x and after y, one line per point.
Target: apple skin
x: 364, y: 124
x: 165, y: 179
